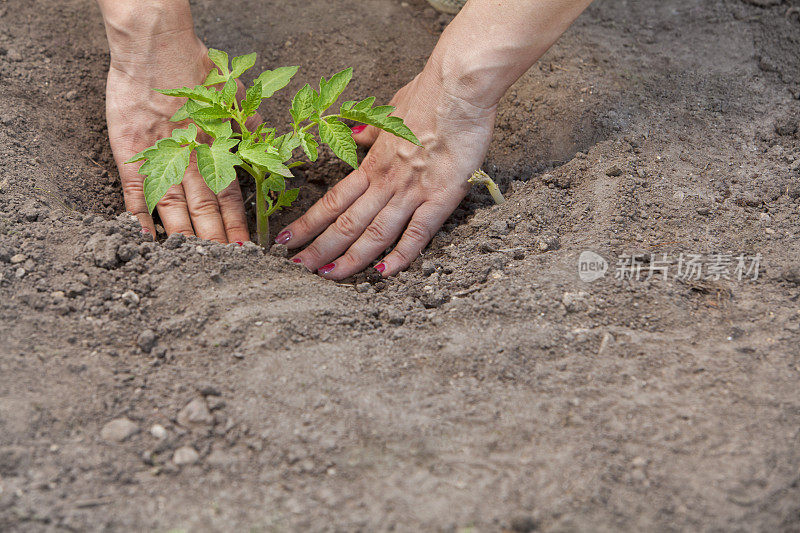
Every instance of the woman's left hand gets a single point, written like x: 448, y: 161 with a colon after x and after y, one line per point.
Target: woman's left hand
x: 399, y: 188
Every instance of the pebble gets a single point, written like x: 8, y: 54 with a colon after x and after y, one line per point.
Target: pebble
x: 195, y: 413
x: 158, y: 431
x: 487, y: 247
x: 363, y: 287
x: 14, y: 55
x: 575, y: 301
x: 547, y: 242
x: 703, y: 210
x: 185, y: 455
x: 18, y: 258
x: 20, y: 273
x: 428, y: 268
x: 118, y: 430
x: 499, y: 228
x: 146, y: 340
x: 130, y: 297
x: 71, y: 95
x: 614, y: 171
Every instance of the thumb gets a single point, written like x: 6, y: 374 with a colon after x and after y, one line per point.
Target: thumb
x: 365, y: 135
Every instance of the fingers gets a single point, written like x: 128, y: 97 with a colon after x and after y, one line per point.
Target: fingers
x: 134, y: 201
x: 325, y: 211
x: 231, y: 207
x: 427, y: 220
x: 383, y: 231
x: 203, y: 208
x: 347, y: 227
x: 365, y: 135
x: 174, y: 213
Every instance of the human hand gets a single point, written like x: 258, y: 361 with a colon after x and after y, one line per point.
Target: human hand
x: 399, y: 188
x: 159, y: 55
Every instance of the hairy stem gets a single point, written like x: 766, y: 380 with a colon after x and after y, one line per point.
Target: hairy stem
x: 262, y: 217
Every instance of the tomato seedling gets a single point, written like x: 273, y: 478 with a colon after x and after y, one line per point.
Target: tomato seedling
x: 479, y: 177
x: 262, y: 153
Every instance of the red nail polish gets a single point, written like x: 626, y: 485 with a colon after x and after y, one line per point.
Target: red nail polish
x: 283, y: 237
x: 327, y: 268
x: 358, y: 129
x: 145, y: 230
x: 380, y: 267
x: 297, y: 260
x: 240, y: 243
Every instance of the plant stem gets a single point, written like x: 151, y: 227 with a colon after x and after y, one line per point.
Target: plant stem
x: 262, y: 218
x: 479, y: 177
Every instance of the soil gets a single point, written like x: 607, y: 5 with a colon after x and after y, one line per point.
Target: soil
x: 189, y: 385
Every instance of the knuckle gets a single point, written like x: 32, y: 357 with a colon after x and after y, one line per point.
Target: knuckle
x: 376, y: 231
x: 204, y: 206
x: 417, y: 233
x: 332, y: 202
x: 236, y: 227
x: 173, y: 198
x: 312, y: 254
x: 346, y: 225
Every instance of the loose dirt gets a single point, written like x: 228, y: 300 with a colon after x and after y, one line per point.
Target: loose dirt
x: 197, y: 386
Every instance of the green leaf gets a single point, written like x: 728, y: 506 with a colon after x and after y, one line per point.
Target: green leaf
x: 340, y: 138
x: 212, y: 112
x: 287, y: 197
x: 219, y: 129
x: 242, y: 64
x: 229, y: 91
x: 309, y: 144
x: 263, y: 130
x: 220, y: 59
x: 216, y: 163
x: 286, y: 145
x: 198, y: 93
x: 275, y: 80
x: 330, y: 91
x: 186, y: 135
x: 257, y: 155
x: 214, y: 78
x: 275, y: 182
x: 304, y: 104
x: 379, y: 117
x: 165, y: 166
x: 186, y: 110
x: 252, y: 100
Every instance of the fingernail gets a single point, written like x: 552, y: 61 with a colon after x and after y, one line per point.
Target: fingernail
x: 283, y: 237
x: 240, y: 243
x: 380, y: 267
x: 145, y: 230
x: 358, y: 129
x: 297, y: 260
x: 327, y: 268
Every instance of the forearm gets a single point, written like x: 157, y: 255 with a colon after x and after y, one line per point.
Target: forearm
x: 491, y: 43
x: 136, y: 29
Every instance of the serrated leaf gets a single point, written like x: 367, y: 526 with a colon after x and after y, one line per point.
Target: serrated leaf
x: 287, y: 197
x: 214, y: 78
x: 379, y: 117
x: 257, y: 155
x: 212, y: 112
x: 165, y: 166
x: 186, y: 110
x: 241, y: 64
x: 186, y: 135
x: 366, y: 103
x: 304, y: 104
x: 229, y: 91
x: 286, y: 145
x: 216, y: 163
x: 220, y: 59
x: 266, y: 132
x: 252, y: 100
x: 331, y: 90
x: 199, y: 93
x: 219, y: 129
x: 275, y: 182
x: 340, y: 138
x: 309, y: 144
x: 275, y: 80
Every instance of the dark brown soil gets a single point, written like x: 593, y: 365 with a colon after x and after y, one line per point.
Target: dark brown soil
x: 488, y: 388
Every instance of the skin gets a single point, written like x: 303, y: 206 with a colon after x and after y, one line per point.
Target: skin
x: 400, y: 191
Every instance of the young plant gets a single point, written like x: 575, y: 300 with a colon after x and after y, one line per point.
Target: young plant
x: 479, y: 177
x: 266, y: 156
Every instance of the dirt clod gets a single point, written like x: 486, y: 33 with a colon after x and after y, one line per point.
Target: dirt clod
x: 119, y: 430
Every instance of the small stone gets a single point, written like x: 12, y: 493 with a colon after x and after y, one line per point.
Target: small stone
x: 434, y: 299
x: 18, y: 258
x: 71, y: 95
x: 279, y: 250
x: 14, y: 55
x: 614, y: 171
x: 20, y: 273
x: 130, y: 297
x: 547, y: 243
x: 195, y: 414
x: 487, y: 247
x: 363, y: 287
x: 394, y: 316
x: 158, y: 431
x: 238, y: 355
x: 764, y: 218
x: 428, y: 268
x: 791, y: 274
x: 146, y: 340
x: 498, y: 228
x: 118, y: 430
x: 703, y: 210
x: 575, y: 301
x: 185, y: 455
